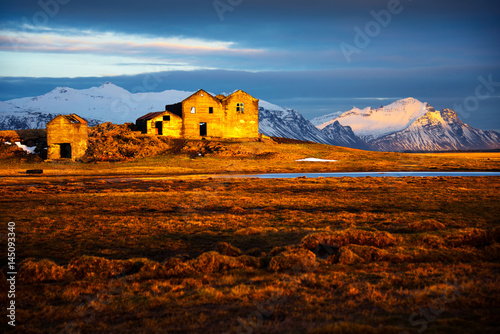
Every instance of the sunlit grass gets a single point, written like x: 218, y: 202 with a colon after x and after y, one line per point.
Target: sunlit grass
x: 262, y: 157
x: 207, y: 255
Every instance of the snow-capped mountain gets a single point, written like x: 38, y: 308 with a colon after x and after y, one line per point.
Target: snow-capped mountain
x: 405, y: 125
x: 275, y: 121
x: 316, y: 121
x: 438, y: 131
x: 107, y: 103
x: 110, y: 103
x: 340, y: 135
x: 371, y: 124
x: 411, y: 125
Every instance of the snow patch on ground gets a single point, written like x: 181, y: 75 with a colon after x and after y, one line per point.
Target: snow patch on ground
x: 316, y: 160
x: 29, y: 150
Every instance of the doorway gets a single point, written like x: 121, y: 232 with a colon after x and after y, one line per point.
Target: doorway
x: 65, y: 151
x: 203, y: 129
x: 159, y: 128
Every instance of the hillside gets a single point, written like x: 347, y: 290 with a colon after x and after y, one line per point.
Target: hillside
x: 117, y: 150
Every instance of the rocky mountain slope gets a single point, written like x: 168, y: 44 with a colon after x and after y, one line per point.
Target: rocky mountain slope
x: 438, y: 131
x: 276, y: 121
x: 411, y: 125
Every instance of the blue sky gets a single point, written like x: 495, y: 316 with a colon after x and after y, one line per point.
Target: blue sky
x: 313, y: 56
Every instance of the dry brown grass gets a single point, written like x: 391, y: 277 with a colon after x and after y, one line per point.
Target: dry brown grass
x: 227, y: 249
x: 218, y: 255
x: 41, y: 271
x: 426, y: 225
x: 294, y: 259
x: 115, y: 150
x: 97, y: 267
x: 350, y: 236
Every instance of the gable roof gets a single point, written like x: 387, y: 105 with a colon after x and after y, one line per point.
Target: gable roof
x: 240, y: 91
x: 72, y: 118
x: 150, y: 115
x: 202, y: 91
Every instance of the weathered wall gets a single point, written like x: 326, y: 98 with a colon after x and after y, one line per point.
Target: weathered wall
x: 59, y: 131
x: 224, y: 122
x: 172, y: 128
x: 241, y: 124
x: 202, y: 101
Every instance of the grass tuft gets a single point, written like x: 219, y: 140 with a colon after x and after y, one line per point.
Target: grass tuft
x: 346, y: 237
x: 227, y: 249
x: 41, y: 271
x: 294, y: 259
x: 212, y: 262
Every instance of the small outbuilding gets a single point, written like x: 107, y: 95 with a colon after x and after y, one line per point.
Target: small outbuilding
x: 67, y: 137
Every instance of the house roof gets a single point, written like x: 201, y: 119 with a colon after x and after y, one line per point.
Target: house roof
x: 72, y: 118
x: 150, y: 115
x: 240, y: 91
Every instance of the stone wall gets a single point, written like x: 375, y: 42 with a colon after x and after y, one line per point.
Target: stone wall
x: 201, y: 101
x: 235, y: 116
x: 242, y: 122
x: 171, y: 128
x: 61, y: 132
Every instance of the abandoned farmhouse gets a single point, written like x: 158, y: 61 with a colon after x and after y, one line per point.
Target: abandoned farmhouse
x: 198, y: 116
x: 203, y: 115
x: 66, y: 137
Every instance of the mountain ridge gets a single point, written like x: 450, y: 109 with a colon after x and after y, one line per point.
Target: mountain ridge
x: 411, y: 125
x: 403, y: 125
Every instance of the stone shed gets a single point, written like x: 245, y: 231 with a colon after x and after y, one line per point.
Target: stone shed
x: 67, y: 137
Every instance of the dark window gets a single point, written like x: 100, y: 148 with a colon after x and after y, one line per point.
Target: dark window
x: 239, y: 107
x: 203, y: 129
x: 166, y: 118
x: 210, y: 110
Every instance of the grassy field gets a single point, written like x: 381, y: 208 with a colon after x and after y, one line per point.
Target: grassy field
x: 269, y: 156
x: 330, y: 255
